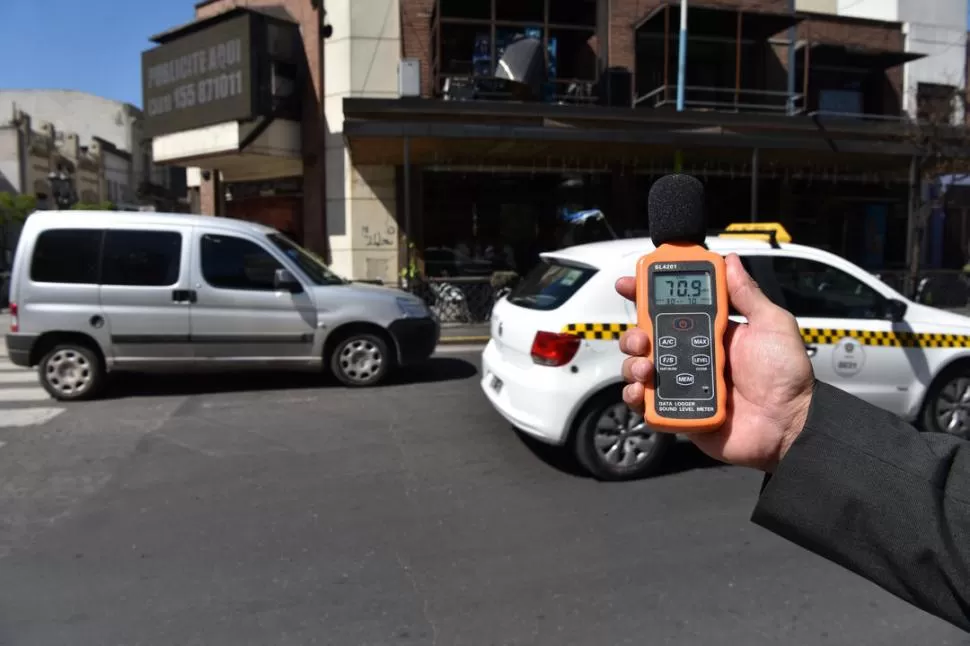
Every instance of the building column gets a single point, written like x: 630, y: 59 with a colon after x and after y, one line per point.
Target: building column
x: 210, y: 189
x: 361, y: 59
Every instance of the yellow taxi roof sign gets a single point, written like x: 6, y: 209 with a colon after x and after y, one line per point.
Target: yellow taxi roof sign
x: 759, y: 231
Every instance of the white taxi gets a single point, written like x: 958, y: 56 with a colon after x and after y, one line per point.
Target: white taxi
x: 552, y: 364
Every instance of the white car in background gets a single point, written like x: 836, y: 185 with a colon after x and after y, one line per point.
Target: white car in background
x: 552, y: 364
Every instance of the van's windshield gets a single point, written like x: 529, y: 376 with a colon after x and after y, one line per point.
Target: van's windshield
x: 314, y: 269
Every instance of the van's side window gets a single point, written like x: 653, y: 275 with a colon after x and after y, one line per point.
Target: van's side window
x: 67, y: 256
x: 143, y: 258
x: 235, y: 263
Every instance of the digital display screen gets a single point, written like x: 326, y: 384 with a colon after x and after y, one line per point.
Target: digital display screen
x: 692, y: 288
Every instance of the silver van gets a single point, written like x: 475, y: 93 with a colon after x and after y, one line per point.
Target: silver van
x: 94, y: 292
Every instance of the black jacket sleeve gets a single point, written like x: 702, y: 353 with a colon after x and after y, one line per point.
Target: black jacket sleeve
x: 866, y: 490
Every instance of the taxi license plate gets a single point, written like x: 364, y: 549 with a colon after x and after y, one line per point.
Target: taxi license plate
x: 496, y: 384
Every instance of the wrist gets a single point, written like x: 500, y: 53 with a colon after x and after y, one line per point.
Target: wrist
x: 800, y: 409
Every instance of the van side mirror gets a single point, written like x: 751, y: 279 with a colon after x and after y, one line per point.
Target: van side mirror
x: 894, y: 310
x: 283, y: 280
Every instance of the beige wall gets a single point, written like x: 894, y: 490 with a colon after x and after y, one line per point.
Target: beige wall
x: 817, y: 6
x: 360, y: 60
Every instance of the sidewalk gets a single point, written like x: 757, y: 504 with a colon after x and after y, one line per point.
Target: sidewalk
x: 457, y: 334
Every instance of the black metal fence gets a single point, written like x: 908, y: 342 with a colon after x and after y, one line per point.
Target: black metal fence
x: 463, y: 300
x: 469, y: 300
x: 9, y: 234
x: 945, y: 288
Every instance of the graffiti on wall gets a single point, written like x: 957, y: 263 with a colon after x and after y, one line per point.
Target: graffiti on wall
x: 379, y: 236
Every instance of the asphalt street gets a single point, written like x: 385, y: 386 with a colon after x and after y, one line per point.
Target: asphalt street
x: 280, y: 509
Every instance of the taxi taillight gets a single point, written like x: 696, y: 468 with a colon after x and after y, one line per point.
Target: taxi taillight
x: 554, y: 349
x: 14, y: 323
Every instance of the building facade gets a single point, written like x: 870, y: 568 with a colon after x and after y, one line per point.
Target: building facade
x: 386, y: 135
x: 92, y: 125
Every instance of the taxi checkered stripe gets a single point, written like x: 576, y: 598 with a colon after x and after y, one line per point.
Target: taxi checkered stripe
x: 818, y: 336
x: 815, y: 336
x: 608, y: 331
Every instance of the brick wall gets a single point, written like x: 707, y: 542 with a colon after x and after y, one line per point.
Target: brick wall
x: 416, y: 37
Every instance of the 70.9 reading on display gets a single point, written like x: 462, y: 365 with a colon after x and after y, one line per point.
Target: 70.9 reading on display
x: 682, y: 289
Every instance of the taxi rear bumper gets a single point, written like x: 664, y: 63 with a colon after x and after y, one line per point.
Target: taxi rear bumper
x: 537, y: 400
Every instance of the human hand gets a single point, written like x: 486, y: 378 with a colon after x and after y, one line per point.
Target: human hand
x: 769, y: 376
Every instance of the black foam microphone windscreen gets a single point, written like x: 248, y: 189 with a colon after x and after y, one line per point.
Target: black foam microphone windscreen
x: 675, y: 209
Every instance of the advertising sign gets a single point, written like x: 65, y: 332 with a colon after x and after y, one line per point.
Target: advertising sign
x: 199, y: 79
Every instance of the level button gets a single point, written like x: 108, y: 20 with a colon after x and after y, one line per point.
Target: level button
x: 701, y: 360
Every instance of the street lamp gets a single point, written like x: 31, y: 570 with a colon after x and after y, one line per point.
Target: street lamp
x: 62, y: 189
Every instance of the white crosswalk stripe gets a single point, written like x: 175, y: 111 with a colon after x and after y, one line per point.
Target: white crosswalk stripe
x: 23, y: 402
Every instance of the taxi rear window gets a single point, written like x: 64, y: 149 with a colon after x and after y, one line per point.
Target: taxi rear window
x: 550, y: 284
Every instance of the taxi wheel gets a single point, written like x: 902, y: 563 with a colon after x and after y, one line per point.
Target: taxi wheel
x: 613, y: 443
x: 947, y: 407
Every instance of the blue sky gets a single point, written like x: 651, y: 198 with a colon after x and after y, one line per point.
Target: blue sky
x: 89, y: 45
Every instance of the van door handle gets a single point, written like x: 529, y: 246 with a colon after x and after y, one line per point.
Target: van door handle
x: 812, y: 350
x: 184, y: 296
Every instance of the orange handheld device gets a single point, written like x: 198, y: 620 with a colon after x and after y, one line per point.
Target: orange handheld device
x: 682, y: 304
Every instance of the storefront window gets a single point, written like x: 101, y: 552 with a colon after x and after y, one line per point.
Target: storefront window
x: 476, y: 224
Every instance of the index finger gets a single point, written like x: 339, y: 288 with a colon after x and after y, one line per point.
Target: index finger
x: 627, y: 288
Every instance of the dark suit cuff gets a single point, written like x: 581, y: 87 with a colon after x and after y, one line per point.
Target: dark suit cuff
x: 798, y: 473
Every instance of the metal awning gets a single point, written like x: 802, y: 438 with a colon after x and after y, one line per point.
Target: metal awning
x: 841, y: 55
x: 717, y: 22
x: 382, y: 142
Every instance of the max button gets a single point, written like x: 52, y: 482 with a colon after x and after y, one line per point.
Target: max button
x: 700, y: 341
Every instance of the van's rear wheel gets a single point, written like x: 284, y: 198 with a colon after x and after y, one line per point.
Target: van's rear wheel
x: 71, y: 372
x: 360, y: 360
x: 614, y: 443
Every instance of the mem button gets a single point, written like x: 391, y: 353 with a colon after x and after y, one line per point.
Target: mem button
x: 685, y: 379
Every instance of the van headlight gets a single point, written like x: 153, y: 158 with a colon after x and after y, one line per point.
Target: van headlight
x: 412, y: 308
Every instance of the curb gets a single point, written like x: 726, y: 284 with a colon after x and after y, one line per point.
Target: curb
x: 457, y: 340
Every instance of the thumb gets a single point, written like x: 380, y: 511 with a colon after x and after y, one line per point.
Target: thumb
x: 745, y: 295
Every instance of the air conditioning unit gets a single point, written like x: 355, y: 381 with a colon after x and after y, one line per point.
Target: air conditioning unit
x: 409, y: 77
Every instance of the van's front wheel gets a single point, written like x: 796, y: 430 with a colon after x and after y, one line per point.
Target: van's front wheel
x: 360, y: 360
x: 71, y: 372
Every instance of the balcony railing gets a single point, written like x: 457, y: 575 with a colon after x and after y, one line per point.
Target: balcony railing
x: 724, y: 99
x: 468, y: 87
